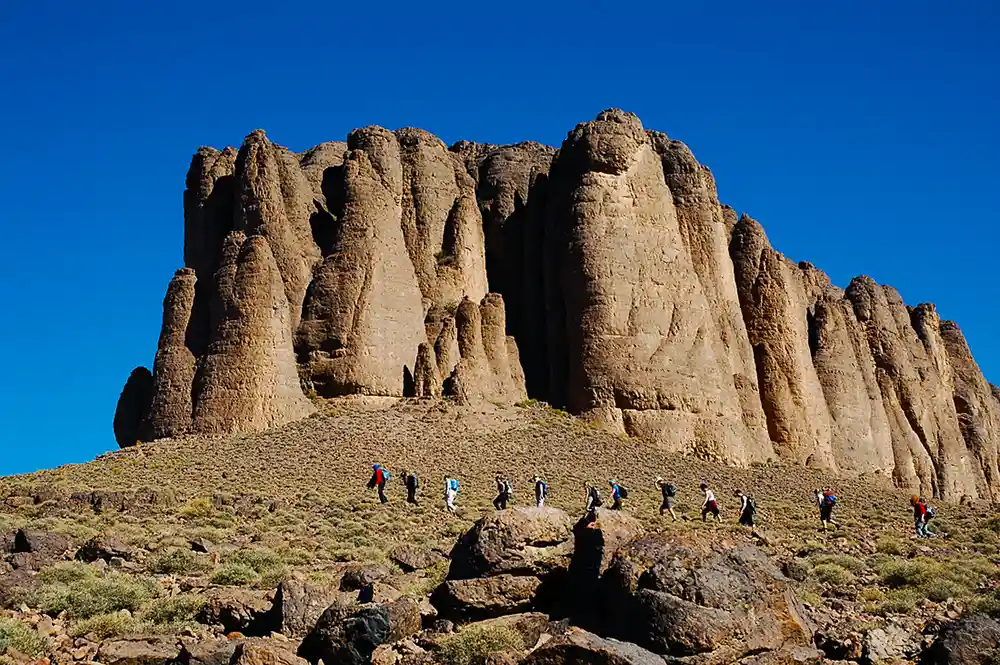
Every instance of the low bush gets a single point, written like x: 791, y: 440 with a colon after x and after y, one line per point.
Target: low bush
x: 84, y: 593
x: 235, y: 574
x: 175, y: 609
x: 473, y: 645
x: 104, y: 626
x: 892, y: 546
x: 179, y: 562
x: 20, y: 637
x: 845, y: 561
x: 832, y: 575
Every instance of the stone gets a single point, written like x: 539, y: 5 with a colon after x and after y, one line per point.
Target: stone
x: 41, y: 542
x: 350, y: 636
x: 701, y: 597
x: 427, y: 381
x: 105, y: 547
x: 15, y: 586
x: 236, y: 610
x: 893, y: 642
x: 133, y: 404
x: 485, y: 598
x: 298, y: 604
x: 518, y: 541
x: 202, y: 545
x: 411, y: 557
x: 529, y: 626
x: 265, y: 652
x: 138, y: 651
x: 974, y: 640
x: 359, y: 575
x: 217, y: 651
x: 579, y: 647
x: 248, y: 379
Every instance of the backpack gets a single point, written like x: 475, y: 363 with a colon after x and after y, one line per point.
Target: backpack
x: 751, y: 505
x: 670, y: 489
x: 622, y: 492
x: 829, y: 499
x: 507, y: 488
x: 931, y: 512
x: 453, y: 485
x: 543, y: 488
x: 385, y: 475
x: 412, y: 481
x: 595, y: 497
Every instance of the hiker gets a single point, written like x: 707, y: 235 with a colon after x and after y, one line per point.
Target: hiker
x: 504, y: 492
x: 618, y: 493
x: 412, y: 484
x: 922, y: 514
x: 594, y: 501
x: 826, y: 500
x: 541, y: 491
x: 748, y: 508
x: 380, y: 476
x: 450, y: 492
x: 710, y: 505
x: 669, y: 492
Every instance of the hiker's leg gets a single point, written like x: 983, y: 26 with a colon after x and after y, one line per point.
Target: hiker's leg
x: 673, y: 515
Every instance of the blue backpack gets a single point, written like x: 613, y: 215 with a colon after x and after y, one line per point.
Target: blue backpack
x: 453, y: 485
x: 830, y: 499
x: 385, y: 474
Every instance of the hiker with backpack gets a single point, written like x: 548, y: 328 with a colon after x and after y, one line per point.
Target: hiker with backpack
x: 748, y: 508
x: 826, y: 500
x: 669, y: 492
x: 505, y: 492
x: 450, y: 492
x: 380, y: 476
x: 710, y: 505
x: 618, y: 494
x: 412, y: 483
x: 594, y: 501
x: 922, y: 514
x: 541, y: 491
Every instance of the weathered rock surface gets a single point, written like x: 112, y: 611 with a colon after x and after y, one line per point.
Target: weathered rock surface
x: 974, y: 640
x: 605, y: 278
x: 350, y: 635
x: 236, y: 610
x: 518, y: 541
x: 298, y: 605
x: 708, y: 598
x: 578, y: 647
x: 138, y: 651
x: 485, y: 597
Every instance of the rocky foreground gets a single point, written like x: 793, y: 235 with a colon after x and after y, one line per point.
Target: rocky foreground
x: 604, y: 277
x: 265, y: 548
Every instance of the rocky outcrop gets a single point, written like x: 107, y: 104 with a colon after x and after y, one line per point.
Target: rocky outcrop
x: 710, y: 599
x: 605, y: 277
x: 349, y: 635
x: 578, y: 646
x: 975, y: 640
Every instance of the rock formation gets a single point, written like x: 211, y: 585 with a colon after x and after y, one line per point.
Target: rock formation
x: 605, y: 277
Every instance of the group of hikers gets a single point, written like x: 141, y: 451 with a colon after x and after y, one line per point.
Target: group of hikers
x: 825, y: 499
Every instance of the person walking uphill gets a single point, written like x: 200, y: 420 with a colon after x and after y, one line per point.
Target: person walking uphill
x: 412, y: 483
x: 594, y: 501
x: 748, y: 508
x: 504, y: 493
x: 922, y: 514
x: 618, y: 494
x: 450, y: 492
x: 710, y: 505
x: 380, y: 476
x: 826, y: 500
x: 669, y: 492
x: 541, y: 491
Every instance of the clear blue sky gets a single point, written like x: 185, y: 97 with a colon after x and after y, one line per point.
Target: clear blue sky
x: 863, y: 135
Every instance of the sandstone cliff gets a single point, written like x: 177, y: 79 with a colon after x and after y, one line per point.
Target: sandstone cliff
x: 605, y: 277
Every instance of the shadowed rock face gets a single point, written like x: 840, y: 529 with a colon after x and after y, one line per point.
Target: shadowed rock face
x: 605, y: 278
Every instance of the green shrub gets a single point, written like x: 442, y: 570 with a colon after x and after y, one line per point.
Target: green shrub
x: 941, y: 590
x: 260, y: 560
x: 892, y: 546
x: 832, y: 574
x: 104, y: 626
x: 473, y: 645
x: 798, y: 569
x: 21, y: 637
x: 235, y: 574
x: 175, y: 609
x: 86, y: 594
x: 178, y: 562
x: 68, y: 572
x: 200, y: 508
x: 845, y: 561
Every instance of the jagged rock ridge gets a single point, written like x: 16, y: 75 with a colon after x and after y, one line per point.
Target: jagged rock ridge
x: 604, y: 277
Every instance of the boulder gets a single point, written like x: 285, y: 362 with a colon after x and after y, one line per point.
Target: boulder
x: 217, y: 651
x: 893, y: 642
x: 349, y: 636
x: 703, y: 597
x: 529, y: 626
x: 265, y: 652
x: 132, y: 407
x: 138, y: 651
x: 519, y: 541
x: 298, y: 604
x: 484, y: 598
x: 974, y: 640
x: 411, y: 558
x: 42, y: 543
x: 236, y: 610
x: 579, y: 647
x: 105, y: 547
x: 16, y: 585
x: 357, y: 576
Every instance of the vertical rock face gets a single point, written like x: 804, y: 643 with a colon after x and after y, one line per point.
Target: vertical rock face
x: 174, y: 368
x: 248, y: 380
x: 364, y: 316
x: 774, y: 304
x: 605, y: 278
x: 977, y: 408
x: 133, y: 404
x: 638, y: 330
